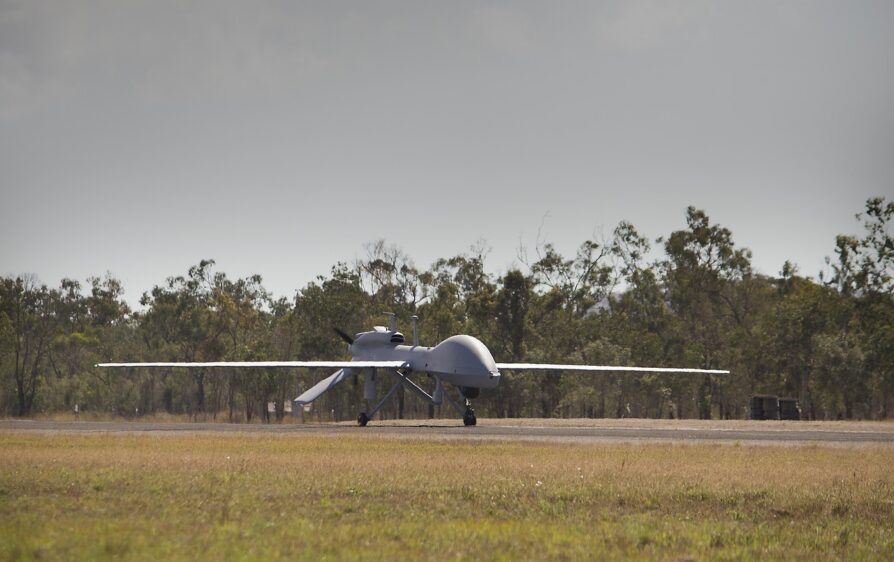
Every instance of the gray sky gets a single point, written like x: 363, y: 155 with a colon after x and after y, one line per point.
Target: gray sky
x: 279, y: 137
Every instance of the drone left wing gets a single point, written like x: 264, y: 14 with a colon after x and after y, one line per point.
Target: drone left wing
x: 265, y: 364
x: 603, y: 368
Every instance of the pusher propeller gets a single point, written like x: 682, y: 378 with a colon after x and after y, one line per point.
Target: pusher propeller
x: 344, y: 336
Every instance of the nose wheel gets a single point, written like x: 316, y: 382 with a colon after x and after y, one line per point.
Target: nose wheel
x: 362, y: 419
x: 469, y: 417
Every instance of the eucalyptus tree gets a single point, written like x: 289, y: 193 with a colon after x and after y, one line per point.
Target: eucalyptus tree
x: 803, y: 311
x: 876, y: 304
x: 91, y: 327
x: 28, y: 325
x: 511, y: 306
x: 389, y: 276
x: 864, y: 271
x: 177, y: 325
x: 238, y: 312
x: 639, y: 331
x: 839, y: 388
x: 568, y: 296
x: 282, y: 345
x: 707, y: 280
x: 460, y: 296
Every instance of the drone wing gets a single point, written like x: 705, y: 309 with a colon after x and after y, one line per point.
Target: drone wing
x: 345, y: 369
x: 603, y: 368
x: 265, y: 364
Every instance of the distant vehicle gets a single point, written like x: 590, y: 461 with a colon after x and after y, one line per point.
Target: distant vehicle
x: 461, y: 361
x: 772, y: 407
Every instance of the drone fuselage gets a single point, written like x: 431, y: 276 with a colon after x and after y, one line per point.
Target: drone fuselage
x: 459, y: 360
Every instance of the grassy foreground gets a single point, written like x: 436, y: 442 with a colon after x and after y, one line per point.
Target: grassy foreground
x: 260, y: 496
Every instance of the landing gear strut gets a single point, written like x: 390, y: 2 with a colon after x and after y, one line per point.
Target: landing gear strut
x: 467, y: 393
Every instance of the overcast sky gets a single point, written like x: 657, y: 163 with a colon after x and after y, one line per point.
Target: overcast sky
x: 279, y: 137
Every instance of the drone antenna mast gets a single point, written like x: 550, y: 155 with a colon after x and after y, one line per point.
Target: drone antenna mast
x: 392, y: 321
x: 415, y: 333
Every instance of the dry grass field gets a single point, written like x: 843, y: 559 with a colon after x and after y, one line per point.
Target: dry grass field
x: 235, y: 496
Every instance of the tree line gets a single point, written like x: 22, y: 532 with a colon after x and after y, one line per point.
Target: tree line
x: 827, y: 341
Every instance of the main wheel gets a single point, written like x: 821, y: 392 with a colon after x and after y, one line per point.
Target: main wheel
x: 362, y: 419
x: 469, y: 417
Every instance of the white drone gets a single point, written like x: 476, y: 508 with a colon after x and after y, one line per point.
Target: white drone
x: 462, y: 361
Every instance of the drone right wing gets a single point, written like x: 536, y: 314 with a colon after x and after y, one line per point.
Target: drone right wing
x: 345, y: 369
x: 603, y: 368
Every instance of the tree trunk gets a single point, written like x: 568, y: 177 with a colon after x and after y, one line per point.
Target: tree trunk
x: 704, y: 399
x: 804, y: 394
x: 200, y: 391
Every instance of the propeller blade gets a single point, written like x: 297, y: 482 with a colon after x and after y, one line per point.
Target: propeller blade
x: 344, y: 336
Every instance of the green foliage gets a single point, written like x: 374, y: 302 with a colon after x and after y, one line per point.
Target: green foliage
x: 828, y: 342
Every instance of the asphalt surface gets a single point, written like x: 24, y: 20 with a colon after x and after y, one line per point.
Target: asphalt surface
x: 491, y: 430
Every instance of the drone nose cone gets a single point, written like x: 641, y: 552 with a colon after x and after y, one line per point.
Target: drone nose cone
x: 465, y: 356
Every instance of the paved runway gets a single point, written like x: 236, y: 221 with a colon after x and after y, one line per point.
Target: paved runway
x: 528, y: 430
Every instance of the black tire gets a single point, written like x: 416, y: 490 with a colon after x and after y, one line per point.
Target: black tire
x: 362, y: 419
x: 469, y: 418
